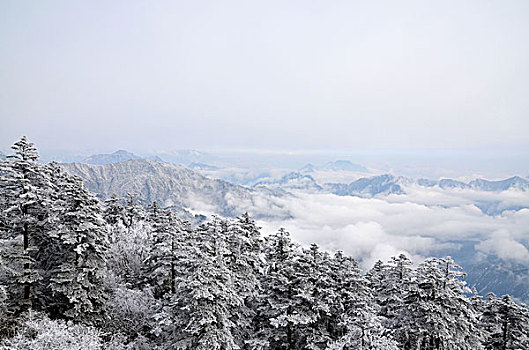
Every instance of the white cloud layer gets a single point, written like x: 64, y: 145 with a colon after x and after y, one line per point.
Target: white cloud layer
x: 421, y: 223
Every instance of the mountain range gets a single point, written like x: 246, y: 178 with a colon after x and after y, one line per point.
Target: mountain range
x: 387, y: 184
x: 171, y: 185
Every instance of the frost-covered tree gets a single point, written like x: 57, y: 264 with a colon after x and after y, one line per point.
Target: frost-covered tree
x: 129, y: 246
x: 286, y: 302
x: 437, y: 314
x: 314, y: 276
x: 244, y: 244
x: 243, y: 259
x: 115, y: 216
x: 505, y: 324
x: 389, y: 283
x: 130, y: 312
x: 166, y: 249
x: 113, y: 211
x: 356, y: 325
x: 25, y: 190
x: 134, y: 213
x: 206, y: 300
x: 81, y: 246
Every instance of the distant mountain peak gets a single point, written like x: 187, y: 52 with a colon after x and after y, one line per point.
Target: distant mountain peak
x: 344, y: 165
x: 123, y: 152
x: 308, y: 168
x: 117, y: 156
x: 292, y: 181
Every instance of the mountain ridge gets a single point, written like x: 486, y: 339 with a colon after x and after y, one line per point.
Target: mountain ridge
x: 115, y: 157
x: 169, y: 184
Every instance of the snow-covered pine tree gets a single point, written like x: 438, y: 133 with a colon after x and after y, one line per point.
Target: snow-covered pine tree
x: 390, y: 283
x: 244, y: 243
x: 77, y: 280
x: 25, y: 190
x: 356, y: 325
x: 437, y: 314
x: 134, y: 212
x: 166, y: 249
x: 113, y: 211
x: 315, y: 278
x: 206, y: 300
x: 286, y: 304
x: 244, y: 260
x: 505, y: 324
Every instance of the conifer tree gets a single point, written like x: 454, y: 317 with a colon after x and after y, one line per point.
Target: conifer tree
x: 77, y: 280
x: 437, y: 314
x: 243, y: 259
x: 358, y: 325
x: 166, y: 249
x: 314, y: 274
x: 25, y: 189
x: 286, y: 303
x: 390, y: 282
x: 114, y: 211
x: 134, y: 213
x: 505, y: 324
x: 206, y: 300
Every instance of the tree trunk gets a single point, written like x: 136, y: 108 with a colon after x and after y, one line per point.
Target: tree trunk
x: 504, y: 327
x: 26, y: 265
x: 173, y: 268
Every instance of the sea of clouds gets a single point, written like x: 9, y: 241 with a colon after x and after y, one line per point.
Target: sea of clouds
x: 420, y: 223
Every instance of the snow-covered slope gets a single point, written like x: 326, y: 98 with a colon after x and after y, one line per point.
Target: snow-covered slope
x: 383, y: 184
x: 514, y: 182
x: 169, y: 184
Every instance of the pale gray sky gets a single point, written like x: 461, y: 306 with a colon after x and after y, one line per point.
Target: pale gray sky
x: 352, y: 75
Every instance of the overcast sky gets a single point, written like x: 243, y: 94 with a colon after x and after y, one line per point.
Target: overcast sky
x: 350, y: 75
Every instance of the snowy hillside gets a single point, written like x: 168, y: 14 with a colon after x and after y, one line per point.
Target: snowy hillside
x: 168, y: 184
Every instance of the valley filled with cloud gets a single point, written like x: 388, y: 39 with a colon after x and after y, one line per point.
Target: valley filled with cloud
x: 423, y: 222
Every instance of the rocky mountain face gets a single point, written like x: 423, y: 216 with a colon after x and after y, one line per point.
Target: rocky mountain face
x: 383, y: 184
x: 168, y: 184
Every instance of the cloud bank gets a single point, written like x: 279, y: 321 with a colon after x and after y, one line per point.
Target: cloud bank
x: 421, y: 223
